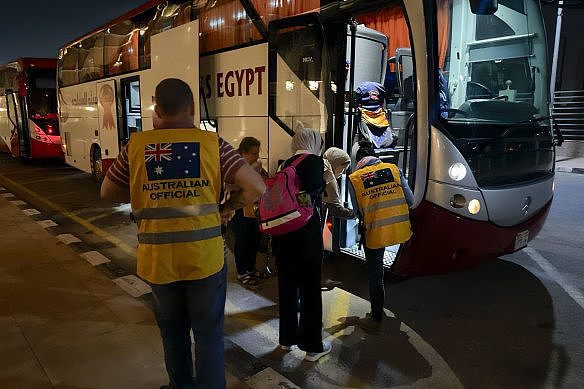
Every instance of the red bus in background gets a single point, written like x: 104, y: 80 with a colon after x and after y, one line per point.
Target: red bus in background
x: 29, y: 125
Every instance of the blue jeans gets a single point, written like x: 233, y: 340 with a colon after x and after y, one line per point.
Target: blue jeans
x: 198, y: 305
x: 374, y: 259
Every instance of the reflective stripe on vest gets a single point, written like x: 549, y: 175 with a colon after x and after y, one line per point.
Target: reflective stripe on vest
x: 387, y: 221
x: 178, y: 236
x: 175, y: 212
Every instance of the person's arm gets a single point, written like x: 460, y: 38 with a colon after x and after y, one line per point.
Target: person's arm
x: 113, y: 192
x: 333, y: 203
x: 250, y: 187
x: 116, y: 184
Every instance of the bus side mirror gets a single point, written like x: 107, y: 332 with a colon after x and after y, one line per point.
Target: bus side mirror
x: 483, y: 7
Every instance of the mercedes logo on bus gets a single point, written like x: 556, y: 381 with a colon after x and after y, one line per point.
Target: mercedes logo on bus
x: 526, y: 204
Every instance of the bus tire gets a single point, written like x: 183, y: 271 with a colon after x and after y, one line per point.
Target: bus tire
x: 96, y: 164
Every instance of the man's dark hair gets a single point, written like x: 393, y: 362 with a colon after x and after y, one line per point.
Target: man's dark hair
x: 247, y: 143
x: 172, y: 96
x: 365, y: 150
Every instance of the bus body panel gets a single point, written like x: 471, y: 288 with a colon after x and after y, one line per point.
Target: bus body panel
x: 445, y: 241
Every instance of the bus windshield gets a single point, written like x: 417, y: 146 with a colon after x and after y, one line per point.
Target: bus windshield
x: 41, y: 93
x: 492, y: 67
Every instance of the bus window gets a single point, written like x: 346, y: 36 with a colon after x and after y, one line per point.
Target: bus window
x: 226, y: 24
x: 270, y: 10
x: 300, y: 77
x: 157, y: 20
x: 121, y: 48
x: 90, y: 58
x: 68, y: 74
x: 41, y: 93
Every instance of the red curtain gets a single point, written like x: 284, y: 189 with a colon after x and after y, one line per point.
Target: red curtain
x: 277, y: 9
x: 390, y: 22
x: 443, y: 30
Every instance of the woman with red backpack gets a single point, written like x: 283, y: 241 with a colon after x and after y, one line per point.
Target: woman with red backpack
x: 299, y: 256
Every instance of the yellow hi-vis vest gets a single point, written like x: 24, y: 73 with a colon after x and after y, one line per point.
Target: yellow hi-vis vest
x: 383, y: 205
x: 175, y: 184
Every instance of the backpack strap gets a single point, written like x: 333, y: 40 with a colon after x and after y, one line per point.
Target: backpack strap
x: 299, y: 159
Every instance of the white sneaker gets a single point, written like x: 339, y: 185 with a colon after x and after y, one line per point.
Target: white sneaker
x: 287, y: 348
x: 326, y: 348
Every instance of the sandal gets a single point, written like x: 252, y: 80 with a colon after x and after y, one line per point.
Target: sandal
x: 247, y: 280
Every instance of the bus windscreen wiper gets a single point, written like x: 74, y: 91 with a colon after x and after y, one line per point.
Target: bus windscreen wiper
x: 530, y: 121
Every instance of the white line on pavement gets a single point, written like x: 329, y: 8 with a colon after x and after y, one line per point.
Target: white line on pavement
x: 95, y: 258
x: 30, y: 212
x: 550, y: 269
x: 47, y: 223
x: 132, y: 285
x: 68, y: 238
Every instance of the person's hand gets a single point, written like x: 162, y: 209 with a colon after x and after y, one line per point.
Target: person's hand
x: 257, y: 166
x: 226, y: 216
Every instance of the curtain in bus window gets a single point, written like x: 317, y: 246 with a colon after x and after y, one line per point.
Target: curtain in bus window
x: 278, y: 9
x: 390, y: 22
x: 90, y: 58
x: 443, y: 14
x: 162, y: 20
x: 121, y: 48
x: 224, y: 25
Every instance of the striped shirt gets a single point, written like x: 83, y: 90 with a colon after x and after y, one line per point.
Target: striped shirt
x: 230, y: 161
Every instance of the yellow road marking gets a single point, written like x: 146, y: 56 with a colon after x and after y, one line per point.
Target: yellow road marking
x: 86, y: 224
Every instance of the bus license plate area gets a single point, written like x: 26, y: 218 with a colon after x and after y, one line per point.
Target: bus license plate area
x: 521, y: 239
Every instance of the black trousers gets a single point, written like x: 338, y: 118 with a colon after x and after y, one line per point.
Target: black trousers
x: 299, y: 260
x: 247, y: 238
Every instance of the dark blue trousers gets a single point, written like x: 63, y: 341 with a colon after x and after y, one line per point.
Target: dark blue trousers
x: 247, y: 239
x: 374, y: 259
x: 198, y: 305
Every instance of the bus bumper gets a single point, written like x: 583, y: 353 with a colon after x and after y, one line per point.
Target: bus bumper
x: 444, y: 241
x: 46, y: 150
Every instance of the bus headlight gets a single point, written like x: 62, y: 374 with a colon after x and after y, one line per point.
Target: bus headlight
x: 474, y: 206
x: 457, y: 171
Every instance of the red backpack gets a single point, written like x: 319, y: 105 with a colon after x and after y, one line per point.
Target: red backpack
x: 284, y: 207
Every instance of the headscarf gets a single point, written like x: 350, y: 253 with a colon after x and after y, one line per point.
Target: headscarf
x: 366, y: 161
x: 307, y: 140
x: 335, y: 160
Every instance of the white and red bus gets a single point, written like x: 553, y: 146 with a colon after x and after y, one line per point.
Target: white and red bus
x: 467, y: 100
x: 29, y: 126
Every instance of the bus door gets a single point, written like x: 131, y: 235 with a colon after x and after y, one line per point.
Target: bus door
x: 329, y: 72
x: 19, y: 142
x: 131, y: 114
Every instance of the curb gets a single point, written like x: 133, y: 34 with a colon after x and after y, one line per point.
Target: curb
x: 577, y: 170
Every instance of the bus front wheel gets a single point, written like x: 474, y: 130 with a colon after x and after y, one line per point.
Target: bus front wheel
x: 96, y: 165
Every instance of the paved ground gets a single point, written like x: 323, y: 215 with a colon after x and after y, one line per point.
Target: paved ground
x: 512, y: 322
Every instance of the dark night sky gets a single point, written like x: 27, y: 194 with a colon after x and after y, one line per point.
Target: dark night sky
x: 37, y: 28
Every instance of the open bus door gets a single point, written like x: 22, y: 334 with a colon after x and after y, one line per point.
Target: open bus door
x: 19, y: 137
x: 313, y: 77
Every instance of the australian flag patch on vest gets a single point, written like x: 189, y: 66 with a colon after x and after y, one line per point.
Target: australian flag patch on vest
x: 377, y: 177
x: 168, y: 161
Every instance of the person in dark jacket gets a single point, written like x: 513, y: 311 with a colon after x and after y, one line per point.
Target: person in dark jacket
x: 299, y: 258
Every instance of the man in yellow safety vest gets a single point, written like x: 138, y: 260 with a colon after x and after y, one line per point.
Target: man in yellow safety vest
x: 173, y: 177
x: 382, y: 196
